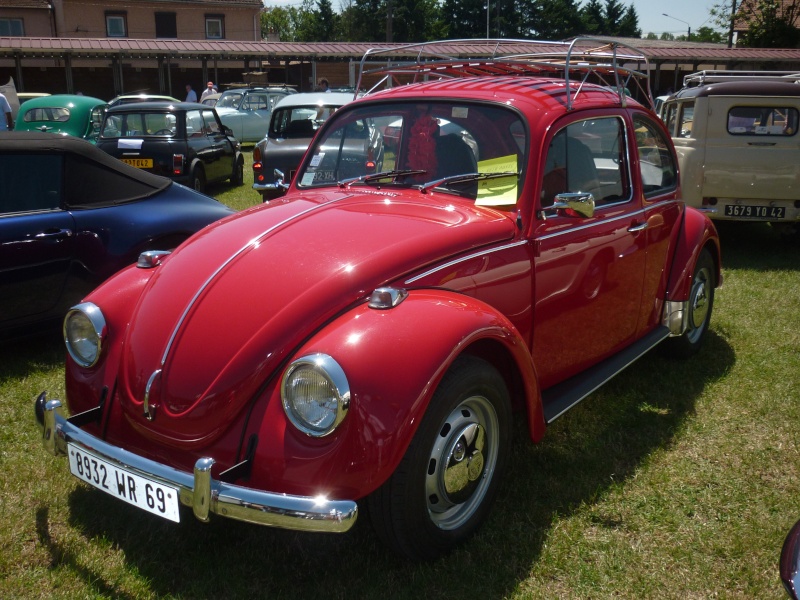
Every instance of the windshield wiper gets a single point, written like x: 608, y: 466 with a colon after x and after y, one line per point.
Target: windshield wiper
x: 463, y: 178
x: 395, y: 174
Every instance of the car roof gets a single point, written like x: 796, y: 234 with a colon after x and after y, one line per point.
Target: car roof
x: 143, y: 98
x: 129, y: 182
x: 158, y: 106
x: 315, y: 99
x: 741, y: 88
x: 61, y: 101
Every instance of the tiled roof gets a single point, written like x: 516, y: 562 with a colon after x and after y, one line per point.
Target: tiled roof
x: 655, y: 50
x: 43, y: 4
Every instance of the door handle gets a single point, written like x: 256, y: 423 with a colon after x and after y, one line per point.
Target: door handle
x: 637, y: 228
x: 53, y: 234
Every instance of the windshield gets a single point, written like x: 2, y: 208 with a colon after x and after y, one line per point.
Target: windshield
x: 229, y: 99
x: 428, y: 145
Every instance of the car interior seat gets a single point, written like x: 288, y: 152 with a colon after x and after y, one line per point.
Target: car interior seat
x: 454, y: 156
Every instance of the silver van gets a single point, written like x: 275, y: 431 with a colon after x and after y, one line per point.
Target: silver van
x: 738, y: 146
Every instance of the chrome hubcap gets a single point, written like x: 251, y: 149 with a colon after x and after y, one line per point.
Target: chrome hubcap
x: 699, y: 304
x: 461, y: 463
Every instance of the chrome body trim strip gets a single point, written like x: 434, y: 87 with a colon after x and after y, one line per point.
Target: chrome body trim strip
x: 256, y: 240
x: 465, y: 258
x: 199, y: 490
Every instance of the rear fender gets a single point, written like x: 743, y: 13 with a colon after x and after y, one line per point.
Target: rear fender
x: 697, y: 233
x: 393, y: 360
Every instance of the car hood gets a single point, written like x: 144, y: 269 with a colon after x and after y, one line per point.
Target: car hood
x: 223, y: 312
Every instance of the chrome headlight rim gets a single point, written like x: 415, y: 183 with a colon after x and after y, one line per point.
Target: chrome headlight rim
x: 326, y: 366
x: 92, y: 313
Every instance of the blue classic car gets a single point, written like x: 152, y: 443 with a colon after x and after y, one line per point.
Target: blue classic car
x: 247, y: 111
x: 71, y: 216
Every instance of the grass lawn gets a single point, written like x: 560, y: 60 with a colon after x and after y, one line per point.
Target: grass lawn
x: 676, y: 480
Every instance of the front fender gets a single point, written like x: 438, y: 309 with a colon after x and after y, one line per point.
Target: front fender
x: 698, y: 232
x: 393, y: 360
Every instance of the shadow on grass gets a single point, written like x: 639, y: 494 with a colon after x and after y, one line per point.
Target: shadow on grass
x: 20, y: 356
x: 599, y: 444
x: 758, y: 247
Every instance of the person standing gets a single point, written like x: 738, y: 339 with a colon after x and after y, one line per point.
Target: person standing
x: 210, y: 89
x: 324, y: 86
x: 191, y: 95
x: 6, y: 124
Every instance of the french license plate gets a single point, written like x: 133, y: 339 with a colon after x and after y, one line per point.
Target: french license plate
x: 144, y: 493
x: 747, y: 211
x: 139, y: 163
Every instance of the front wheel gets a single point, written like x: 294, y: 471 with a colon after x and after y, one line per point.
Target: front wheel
x: 701, y: 303
x: 445, y: 485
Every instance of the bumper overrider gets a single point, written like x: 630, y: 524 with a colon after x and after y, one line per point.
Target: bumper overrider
x: 199, y: 490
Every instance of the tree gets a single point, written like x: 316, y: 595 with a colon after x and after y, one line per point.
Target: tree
x: 465, y: 19
x: 555, y: 20
x: 278, y: 21
x: 613, y: 19
x: 707, y: 34
x: 770, y: 23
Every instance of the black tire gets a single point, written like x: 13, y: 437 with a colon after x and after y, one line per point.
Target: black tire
x: 237, y: 178
x: 444, y: 487
x: 199, y: 180
x: 701, y: 304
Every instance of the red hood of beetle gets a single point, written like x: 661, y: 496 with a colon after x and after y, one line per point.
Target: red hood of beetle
x: 224, y: 311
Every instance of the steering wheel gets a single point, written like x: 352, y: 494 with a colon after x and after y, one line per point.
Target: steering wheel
x: 163, y: 132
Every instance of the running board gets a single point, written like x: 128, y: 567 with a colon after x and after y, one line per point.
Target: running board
x: 561, y: 397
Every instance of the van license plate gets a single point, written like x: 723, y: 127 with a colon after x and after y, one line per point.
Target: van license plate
x: 140, y: 163
x: 142, y: 492
x: 746, y: 211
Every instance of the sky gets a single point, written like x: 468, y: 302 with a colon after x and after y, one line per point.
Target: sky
x: 695, y: 13
x: 651, y: 15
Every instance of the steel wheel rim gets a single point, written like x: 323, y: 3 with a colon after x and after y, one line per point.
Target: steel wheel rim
x: 699, y: 304
x: 461, y: 463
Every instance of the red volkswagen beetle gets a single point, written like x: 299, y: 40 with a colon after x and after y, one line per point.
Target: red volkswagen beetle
x: 369, y: 337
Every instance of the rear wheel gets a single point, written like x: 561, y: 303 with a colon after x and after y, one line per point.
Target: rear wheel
x: 199, y: 180
x: 237, y: 178
x: 445, y: 485
x: 701, y: 303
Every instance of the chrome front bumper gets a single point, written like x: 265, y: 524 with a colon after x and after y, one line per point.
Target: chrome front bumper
x: 198, y: 489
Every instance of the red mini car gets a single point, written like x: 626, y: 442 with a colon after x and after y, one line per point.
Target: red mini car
x: 369, y: 337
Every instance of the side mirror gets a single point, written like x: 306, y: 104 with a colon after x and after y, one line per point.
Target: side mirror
x: 575, y: 204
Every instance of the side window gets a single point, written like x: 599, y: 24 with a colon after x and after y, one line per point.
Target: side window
x: 194, y: 124
x: 256, y: 102
x: 588, y: 156
x: 28, y: 193
x: 656, y: 165
x: 762, y: 120
x: 686, y: 120
x: 670, y: 116
x: 211, y: 124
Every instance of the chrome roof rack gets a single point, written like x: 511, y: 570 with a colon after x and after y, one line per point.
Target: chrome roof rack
x: 583, y: 59
x: 706, y: 77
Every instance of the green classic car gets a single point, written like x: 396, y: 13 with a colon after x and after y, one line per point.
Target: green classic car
x: 65, y: 114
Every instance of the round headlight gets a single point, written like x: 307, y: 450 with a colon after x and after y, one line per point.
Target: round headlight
x: 315, y: 394
x: 84, y: 333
